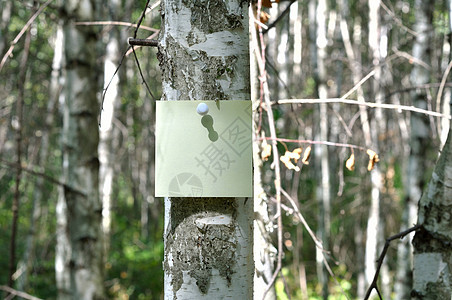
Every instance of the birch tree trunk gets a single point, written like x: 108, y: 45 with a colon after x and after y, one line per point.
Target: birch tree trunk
x: 373, y: 223
x: 204, y: 55
x: 323, y: 230
x: 79, y: 264
x: 110, y: 101
x: 432, y: 277
x: 6, y: 9
x: 39, y: 189
x: 419, y: 140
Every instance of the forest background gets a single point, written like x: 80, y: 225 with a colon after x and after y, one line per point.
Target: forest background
x: 392, y: 55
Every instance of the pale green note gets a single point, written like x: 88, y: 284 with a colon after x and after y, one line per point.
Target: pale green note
x: 206, y: 155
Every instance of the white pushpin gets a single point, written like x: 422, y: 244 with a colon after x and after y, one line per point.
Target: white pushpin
x: 202, y: 109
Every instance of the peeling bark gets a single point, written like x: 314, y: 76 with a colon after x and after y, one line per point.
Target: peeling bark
x: 432, y: 274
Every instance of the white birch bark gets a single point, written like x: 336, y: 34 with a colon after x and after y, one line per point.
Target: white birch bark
x: 78, y: 262
x: 204, y: 54
x: 373, y: 223
x: 296, y: 19
x: 106, y: 134
x: 323, y: 230
x: 38, y: 192
x: 282, y: 57
x: 432, y: 275
x: 419, y: 142
x: 447, y: 100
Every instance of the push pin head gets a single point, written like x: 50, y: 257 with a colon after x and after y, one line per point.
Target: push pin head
x: 202, y: 109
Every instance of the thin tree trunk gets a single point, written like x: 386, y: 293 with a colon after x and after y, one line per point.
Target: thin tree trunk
x: 374, y: 226
x: 79, y: 259
x: 324, y: 194
x: 106, y: 134
x: 198, y: 41
x: 38, y: 191
x: 19, y: 131
x: 296, y: 18
x: 447, y: 99
x: 282, y: 58
x: 432, y: 278
x: 419, y: 141
x: 354, y: 59
x: 359, y: 258
x: 6, y: 9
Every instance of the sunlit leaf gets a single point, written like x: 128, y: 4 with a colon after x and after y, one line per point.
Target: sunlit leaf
x: 306, y: 156
x: 286, y: 159
x: 266, y: 150
x: 350, y: 163
x: 373, y: 159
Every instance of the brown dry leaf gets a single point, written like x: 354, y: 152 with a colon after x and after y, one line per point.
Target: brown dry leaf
x: 350, y: 163
x: 306, y: 156
x: 286, y: 160
x: 266, y: 150
x: 295, y: 154
x: 373, y: 158
x: 264, y: 17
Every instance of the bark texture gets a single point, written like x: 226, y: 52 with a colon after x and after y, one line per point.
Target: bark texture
x: 79, y: 265
x: 420, y: 139
x: 204, y: 54
x: 432, y: 275
x: 111, y: 100
x: 374, y: 222
x: 39, y: 191
x: 324, y: 198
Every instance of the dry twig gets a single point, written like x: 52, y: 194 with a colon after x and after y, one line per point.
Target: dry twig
x: 18, y: 293
x: 21, y: 33
x: 400, y: 235
x: 260, y: 57
x: 360, y: 103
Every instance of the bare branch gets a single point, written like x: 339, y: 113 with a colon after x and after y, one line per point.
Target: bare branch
x: 143, y: 42
x: 317, y: 242
x: 368, y: 104
x: 397, y: 19
x: 360, y: 83
x: 141, y: 74
x: 41, y: 174
x: 300, y: 217
x: 21, y: 33
x: 318, y: 143
x: 152, y: 36
x: 117, y: 23
x: 442, y: 85
x: 400, y: 235
x: 141, y: 19
x: 411, y: 58
x: 18, y: 293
